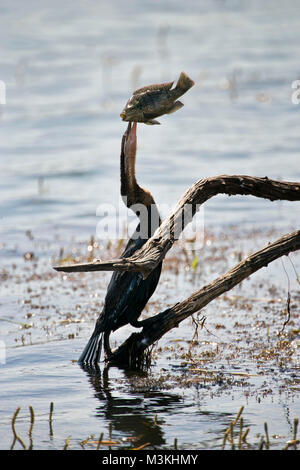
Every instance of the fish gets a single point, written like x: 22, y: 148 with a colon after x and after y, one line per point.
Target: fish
x: 155, y: 100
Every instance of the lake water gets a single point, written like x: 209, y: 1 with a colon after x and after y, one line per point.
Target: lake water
x: 68, y: 69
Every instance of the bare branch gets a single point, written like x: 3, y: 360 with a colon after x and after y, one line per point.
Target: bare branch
x: 156, y: 248
x: 155, y: 327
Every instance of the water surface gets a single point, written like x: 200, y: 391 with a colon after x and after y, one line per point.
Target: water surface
x: 69, y: 68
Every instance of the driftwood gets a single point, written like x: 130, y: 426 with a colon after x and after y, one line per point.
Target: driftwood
x: 156, y: 248
x: 131, y: 352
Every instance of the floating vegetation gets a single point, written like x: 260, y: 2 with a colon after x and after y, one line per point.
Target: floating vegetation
x: 238, y: 348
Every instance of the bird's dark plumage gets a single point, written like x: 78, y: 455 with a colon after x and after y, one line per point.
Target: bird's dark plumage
x: 127, y: 293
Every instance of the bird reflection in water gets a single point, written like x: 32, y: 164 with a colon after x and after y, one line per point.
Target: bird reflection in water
x: 131, y: 413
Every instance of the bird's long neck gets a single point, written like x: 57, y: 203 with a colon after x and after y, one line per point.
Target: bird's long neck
x: 129, y: 187
x: 136, y: 198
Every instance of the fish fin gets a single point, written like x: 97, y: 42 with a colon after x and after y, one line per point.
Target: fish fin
x: 184, y: 82
x: 175, y: 106
x: 151, y: 122
x: 165, y: 86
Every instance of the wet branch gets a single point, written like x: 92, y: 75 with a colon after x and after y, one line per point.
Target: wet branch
x: 132, y: 350
x: 156, y: 248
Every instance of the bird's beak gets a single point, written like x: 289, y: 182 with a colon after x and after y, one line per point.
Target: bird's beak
x: 123, y: 115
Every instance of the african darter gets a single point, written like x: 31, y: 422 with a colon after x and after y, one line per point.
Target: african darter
x: 127, y: 292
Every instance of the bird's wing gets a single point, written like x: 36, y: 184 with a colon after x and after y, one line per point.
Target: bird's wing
x: 126, y: 297
x: 121, y: 291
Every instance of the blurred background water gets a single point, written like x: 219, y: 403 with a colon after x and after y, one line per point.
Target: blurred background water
x: 69, y: 68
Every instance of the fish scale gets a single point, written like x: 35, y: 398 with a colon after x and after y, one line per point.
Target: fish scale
x: 152, y: 101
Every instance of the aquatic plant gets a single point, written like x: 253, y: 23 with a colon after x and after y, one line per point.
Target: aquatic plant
x: 235, y: 436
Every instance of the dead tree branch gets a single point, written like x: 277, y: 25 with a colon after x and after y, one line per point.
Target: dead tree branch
x: 132, y: 350
x: 156, y: 248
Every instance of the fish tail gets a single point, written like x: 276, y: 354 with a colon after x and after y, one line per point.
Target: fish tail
x: 184, y: 83
x: 92, y: 352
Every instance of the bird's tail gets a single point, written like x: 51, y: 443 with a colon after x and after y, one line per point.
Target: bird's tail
x: 92, y: 352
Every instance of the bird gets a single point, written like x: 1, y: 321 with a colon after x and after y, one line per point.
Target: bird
x: 127, y: 293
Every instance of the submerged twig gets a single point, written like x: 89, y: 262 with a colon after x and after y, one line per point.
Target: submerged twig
x: 31, y: 427
x: 231, y: 436
x: 267, y: 436
x: 288, y: 302
x: 238, y: 415
x: 99, y: 441
x: 297, y: 277
x: 293, y: 442
x: 16, y: 437
x: 196, y: 323
x: 110, y: 426
x: 67, y: 442
x: 261, y: 444
x: 242, y: 434
x: 50, y: 419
